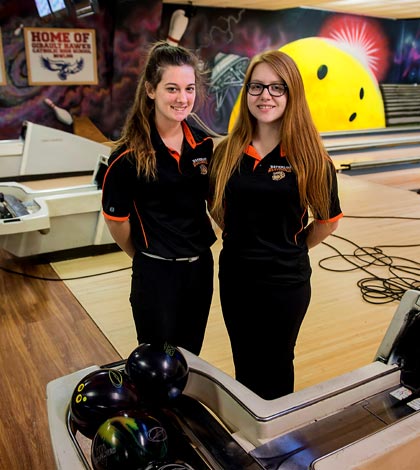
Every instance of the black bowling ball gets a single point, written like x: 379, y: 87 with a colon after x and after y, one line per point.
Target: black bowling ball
x: 100, y: 395
x: 160, y: 372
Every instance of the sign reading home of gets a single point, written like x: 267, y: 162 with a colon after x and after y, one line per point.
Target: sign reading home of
x: 58, y: 56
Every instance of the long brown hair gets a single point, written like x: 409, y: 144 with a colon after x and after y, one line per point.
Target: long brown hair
x: 298, y: 135
x: 136, y: 131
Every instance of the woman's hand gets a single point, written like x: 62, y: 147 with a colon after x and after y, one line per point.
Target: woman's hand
x: 317, y: 231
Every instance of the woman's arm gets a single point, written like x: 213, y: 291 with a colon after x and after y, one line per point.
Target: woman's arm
x: 121, y: 233
x: 318, y: 231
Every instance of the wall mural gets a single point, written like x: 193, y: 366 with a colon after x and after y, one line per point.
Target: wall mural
x: 342, y: 94
x: 345, y: 61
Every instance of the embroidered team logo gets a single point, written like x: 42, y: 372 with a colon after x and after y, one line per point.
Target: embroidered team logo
x: 202, y: 164
x: 278, y: 172
x: 203, y: 169
x: 278, y: 175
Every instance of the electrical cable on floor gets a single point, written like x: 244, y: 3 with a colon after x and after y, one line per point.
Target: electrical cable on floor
x: 378, y: 289
x: 41, y: 278
x: 375, y: 289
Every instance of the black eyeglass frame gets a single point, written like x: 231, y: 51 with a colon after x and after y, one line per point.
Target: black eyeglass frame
x: 263, y: 87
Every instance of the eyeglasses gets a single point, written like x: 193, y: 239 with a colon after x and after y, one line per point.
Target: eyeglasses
x: 275, y: 89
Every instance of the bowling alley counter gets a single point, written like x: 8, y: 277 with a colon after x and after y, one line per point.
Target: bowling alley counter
x: 366, y: 419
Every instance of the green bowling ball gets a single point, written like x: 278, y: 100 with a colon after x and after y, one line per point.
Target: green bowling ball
x: 129, y: 443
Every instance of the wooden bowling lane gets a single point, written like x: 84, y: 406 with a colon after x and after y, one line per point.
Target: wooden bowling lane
x: 391, y: 155
x: 341, y: 330
x: 45, y: 334
x: 53, y: 183
x: 379, y: 153
x: 84, y: 127
x: 391, y: 163
x: 365, y: 136
x: 403, y: 177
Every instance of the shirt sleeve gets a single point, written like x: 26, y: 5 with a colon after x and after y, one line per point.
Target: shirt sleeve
x: 335, y: 208
x: 335, y: 212
x: 117, y: 197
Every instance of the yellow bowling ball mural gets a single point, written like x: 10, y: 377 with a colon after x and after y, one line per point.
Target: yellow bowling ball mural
x: 342, y: 94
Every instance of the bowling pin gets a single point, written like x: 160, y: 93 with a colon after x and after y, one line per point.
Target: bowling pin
x: 177, y: 27
x: 61, y: 114
x: 18, y: 30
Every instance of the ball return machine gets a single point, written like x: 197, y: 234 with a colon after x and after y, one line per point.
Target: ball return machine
x: 363, y: 420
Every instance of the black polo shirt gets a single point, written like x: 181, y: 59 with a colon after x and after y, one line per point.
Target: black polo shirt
x: 168, y: 215
x: 264, y: 220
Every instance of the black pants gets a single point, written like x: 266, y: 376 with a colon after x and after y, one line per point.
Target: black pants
x: 171, y: 300
x: 263, y: 318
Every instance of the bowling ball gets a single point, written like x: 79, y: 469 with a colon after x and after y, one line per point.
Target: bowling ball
x: 166, y: 465
x: 160, y: 372
x: 125, y: 442
x: 99, y: 396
